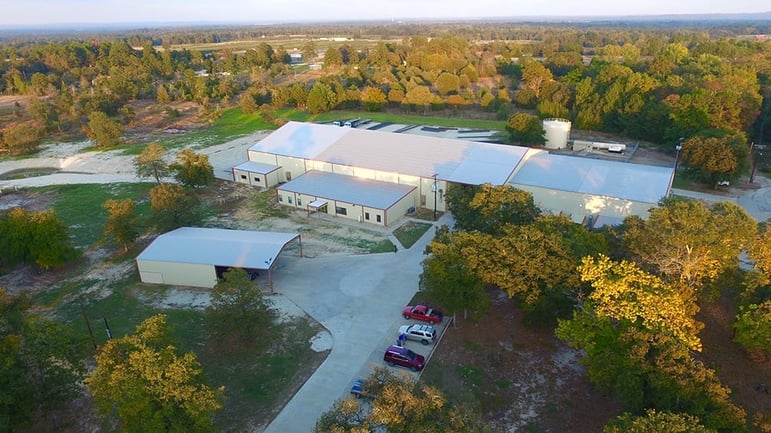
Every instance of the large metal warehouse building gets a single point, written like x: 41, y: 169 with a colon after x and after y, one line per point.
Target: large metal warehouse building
x: 192, y: 256
x: 594, y: 192
x: 376, y: 177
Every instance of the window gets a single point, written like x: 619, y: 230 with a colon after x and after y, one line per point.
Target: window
x: 366, y: 216
x: 378, y: 218
x: 257, y: 179
x: 299, y: 201
x: 243, y: 176
x: 289, y: 199
x: 341, y: 210
x: 288, y: 176
x: 423, y: 200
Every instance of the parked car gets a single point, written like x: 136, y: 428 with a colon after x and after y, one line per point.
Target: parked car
x: 422, y: 312
x: 358, y: 389
x: 423, y: 333
x: 397, y: 355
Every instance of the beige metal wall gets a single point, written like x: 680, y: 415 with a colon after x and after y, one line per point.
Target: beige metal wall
x: 353, y: 212
x: 291, y: 168
x: 399, y: 209
x: 248, y: 177
x: 179, y: 274
x: 579, y: 206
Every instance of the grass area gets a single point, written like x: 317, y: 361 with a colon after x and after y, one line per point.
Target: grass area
x: 409, y: 232
x: 80, y: 206
x: 231, y: 124
x: 265, y: 203
x: 367, y: 246
x: 258, y: 379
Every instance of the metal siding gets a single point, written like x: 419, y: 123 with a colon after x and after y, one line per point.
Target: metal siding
x: 180, y: 274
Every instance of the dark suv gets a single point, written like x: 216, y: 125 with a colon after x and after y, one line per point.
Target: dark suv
x: 396, y: 355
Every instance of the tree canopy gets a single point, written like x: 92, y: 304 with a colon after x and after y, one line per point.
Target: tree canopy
x: 151, y: 163
x: 193, y: 169
x: 145, y: 383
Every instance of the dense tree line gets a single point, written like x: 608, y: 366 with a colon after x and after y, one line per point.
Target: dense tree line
x: 627, y: 297
x: 657, y: 84
x: 42, y: 364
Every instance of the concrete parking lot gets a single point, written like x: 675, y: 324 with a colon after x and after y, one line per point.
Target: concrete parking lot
x: 359, y: 300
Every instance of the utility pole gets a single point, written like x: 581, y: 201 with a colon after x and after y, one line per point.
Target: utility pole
x: 433, y: 188
x: 88, y: 325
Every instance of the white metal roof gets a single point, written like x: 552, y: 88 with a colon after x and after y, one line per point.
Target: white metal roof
x: 302, y: 140
x: 460, y: 161
x: 365, y: 192
x: 636, y: 182
x: 257, y: 167
x: 218, y: 247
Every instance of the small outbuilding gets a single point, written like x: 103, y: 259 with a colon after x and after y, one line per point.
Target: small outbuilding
x: 194, y: 256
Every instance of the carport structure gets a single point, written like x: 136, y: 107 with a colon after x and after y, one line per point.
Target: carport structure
x: 190, y: 256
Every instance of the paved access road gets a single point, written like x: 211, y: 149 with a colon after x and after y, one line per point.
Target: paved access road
x: 359, y: 300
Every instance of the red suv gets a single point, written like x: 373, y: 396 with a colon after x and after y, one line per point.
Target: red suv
x: 396, y: 355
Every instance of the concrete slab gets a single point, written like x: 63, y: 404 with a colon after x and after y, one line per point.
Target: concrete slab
x: 359, y: 300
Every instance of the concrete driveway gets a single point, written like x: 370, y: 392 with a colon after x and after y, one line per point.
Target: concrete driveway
x: 359, y: 300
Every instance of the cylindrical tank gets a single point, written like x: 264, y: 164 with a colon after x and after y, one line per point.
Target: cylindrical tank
x: 557, y: 133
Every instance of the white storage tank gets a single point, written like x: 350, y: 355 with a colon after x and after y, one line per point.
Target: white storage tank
x: 557, y: 132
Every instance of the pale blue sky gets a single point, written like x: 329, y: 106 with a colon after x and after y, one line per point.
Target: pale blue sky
x: 43, y: 12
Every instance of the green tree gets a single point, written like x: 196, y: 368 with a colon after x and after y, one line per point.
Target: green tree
x: 121, y: 223
x: 151, y: 163
x: 332, y: 58
x: 447, y: 278
x: 21, y: 139
x: 45, y: 114
x: 247, y: 103
x: 309, y: 51
x: 399, y: 405
x: 41, y: 364
x: 657, y: 422
x: 527, y: 262
x: 143, y: 381
x: 689, y: 242
x: 162, y: 95
x: 193, y: 169
x: 105, y: 131
x: 373, y: 98
x: 534, y: 76
x: 238, y: 310
x: 637, y: 334
x: 759, y: 250
x: 447, y: 83
x: 625, y: 293
x: 714, y: 159
x: 419, y: 96
x: 37, y: 238
x: 526, y: 129
x: 493, y: 207
x: 172, y: 206
x: 753, y: 327
x: 321, y: 98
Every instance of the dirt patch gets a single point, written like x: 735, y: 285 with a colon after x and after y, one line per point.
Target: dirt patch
x: 736, y: 368
x: 522, y: 379
x: 321, y: 235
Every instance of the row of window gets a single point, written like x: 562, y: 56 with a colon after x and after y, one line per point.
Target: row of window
x: 339, y: 210
x: 256, y: 179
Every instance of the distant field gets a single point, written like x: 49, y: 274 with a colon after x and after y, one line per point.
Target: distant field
x: 288, y: 42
